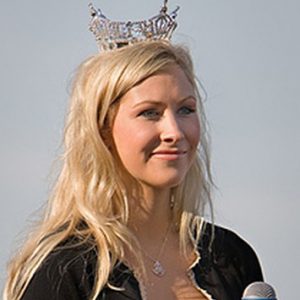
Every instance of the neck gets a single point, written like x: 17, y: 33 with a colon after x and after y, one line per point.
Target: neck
x: 151, y: 213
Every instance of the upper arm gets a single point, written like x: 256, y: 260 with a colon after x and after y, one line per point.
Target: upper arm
x: 61, y: 276
x: 228, y: 263
x: 244, y: 258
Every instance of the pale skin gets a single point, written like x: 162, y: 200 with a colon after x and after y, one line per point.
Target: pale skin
x: 156, y: 132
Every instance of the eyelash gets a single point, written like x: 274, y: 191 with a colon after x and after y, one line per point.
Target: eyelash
x: 188, y: 110
x: 153, y: 114
x: 149, y: 114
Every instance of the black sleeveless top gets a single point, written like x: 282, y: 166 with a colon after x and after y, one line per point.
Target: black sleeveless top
x: 223, y: 271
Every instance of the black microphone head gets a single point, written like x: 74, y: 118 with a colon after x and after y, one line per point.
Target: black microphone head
x: 258, y: 290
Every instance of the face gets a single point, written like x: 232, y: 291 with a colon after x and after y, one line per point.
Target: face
x: 156, y: 129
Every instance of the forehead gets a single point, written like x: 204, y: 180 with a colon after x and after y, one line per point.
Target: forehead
x: 169, y: 84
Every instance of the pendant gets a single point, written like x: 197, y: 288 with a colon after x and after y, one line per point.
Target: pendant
x: 158, y: 269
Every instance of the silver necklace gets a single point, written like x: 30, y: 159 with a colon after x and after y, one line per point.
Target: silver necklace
x: 157, y: 267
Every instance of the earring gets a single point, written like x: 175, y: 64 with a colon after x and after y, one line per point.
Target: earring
x: 172, y: 202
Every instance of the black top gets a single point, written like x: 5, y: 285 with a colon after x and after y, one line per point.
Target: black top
x: 224, y: 272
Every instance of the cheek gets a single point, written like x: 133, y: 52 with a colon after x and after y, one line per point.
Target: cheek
x: 121, y: 138
x: 133, y: 142
x: 193, y: 132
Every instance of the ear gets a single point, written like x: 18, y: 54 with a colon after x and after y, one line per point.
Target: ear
x: 106, y: 130
x: 106, y: 135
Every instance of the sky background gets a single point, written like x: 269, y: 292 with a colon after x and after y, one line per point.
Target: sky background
x: 246, y: 54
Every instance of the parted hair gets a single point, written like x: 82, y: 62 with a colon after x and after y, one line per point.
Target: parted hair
x: 92, y: 187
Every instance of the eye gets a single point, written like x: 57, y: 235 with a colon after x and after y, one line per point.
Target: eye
x: 151, y: 114
x: 186, y: 110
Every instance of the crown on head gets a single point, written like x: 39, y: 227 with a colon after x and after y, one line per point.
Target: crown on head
x: 112, y: 35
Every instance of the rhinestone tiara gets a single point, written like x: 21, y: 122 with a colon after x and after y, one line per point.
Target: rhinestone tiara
x: 112, y: 35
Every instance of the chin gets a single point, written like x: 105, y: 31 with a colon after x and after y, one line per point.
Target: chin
x: 166, y: 183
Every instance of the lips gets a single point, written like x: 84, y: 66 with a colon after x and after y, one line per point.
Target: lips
x: 169, y: 154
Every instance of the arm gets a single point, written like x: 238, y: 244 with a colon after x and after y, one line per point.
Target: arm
x: 64, y: 275
x: 229, y: 267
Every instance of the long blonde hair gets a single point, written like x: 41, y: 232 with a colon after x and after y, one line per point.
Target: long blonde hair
x: 90, y: 188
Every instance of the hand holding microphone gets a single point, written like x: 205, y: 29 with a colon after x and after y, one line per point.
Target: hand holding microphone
x: 259, y: 291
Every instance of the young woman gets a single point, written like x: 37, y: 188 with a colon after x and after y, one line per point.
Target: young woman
x: 125, y: 218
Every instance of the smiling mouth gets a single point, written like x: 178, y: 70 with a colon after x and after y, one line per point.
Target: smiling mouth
x: 169, y: 155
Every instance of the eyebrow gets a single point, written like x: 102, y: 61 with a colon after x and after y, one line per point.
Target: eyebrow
x: 157, y: 102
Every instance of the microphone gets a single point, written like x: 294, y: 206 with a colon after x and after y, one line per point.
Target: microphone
x: 259, y: 291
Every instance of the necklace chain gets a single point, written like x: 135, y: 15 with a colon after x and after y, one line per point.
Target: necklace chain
x: 157, y: 267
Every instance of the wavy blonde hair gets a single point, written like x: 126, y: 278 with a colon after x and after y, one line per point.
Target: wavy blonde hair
x: 90, y: 188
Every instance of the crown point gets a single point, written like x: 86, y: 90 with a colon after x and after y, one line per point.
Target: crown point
x: 93, y: 11
x: 164, y: 8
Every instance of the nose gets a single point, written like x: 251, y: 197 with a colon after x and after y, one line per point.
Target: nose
x: 171, y: 131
